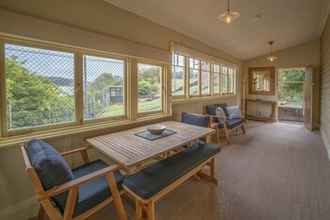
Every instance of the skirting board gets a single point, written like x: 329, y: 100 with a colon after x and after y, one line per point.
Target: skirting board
x: 22, y: 210
x: 325, y: 141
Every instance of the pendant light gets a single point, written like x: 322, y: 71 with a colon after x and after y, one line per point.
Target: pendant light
x: 229, y: 16
x: 271, y: 57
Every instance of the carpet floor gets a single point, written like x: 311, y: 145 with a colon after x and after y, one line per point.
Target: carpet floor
x: 276, y: 171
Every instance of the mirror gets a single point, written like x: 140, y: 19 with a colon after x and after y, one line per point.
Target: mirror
x: 262, y: 81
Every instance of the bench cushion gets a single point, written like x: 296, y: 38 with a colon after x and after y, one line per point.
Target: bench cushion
x: 50, y: 166
x: 158, y: 176
x: 195, y: 119
x: 92, y: 192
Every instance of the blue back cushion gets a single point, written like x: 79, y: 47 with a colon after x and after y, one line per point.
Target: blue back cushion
x: 212, y: 109
x: 195, y: 119
x: 50, y: 166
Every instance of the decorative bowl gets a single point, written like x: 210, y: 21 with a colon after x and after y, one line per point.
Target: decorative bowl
x: 156, y: 129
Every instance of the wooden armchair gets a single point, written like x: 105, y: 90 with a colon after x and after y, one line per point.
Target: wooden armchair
x: 71, y: 194
x: 227, y: 124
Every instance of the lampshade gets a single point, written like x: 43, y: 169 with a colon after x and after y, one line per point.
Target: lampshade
x: 229, y: 16
x: 271, y: 57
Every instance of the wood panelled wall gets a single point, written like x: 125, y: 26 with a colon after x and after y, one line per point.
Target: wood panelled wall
x: 325, y: 87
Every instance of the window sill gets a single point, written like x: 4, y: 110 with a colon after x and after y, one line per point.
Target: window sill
x: 13, y: 140
x: 200, y: 99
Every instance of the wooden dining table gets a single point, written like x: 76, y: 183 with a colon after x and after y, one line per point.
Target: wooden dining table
x: 131, y: 151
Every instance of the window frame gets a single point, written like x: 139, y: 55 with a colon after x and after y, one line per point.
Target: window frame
x: 125, y: 100
x: 79, y: 124
x: 230, y: 88
x: 219, y: 79
x: 199, y: 76
x: 162, y: 86
x: 184, y: 75
x: 18, y: 131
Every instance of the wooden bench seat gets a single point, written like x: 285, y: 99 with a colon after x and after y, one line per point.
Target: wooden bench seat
x: 153, y: 182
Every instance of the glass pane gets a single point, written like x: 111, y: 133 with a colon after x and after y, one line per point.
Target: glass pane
x: 39, y: 86
x: 216, y: 68
x: 216, y: 85
x: 178, y: 60
x: 224, y: 79
x: 291, y: 94
x: 291, y: 83
x: 230, y: 80
x: 205, y: 82
x: 194, y: 82
x: 177, y: 81
x: 194, y: 63
x: 103, y: 87
x: 149, y: 88
x: 205, y: 66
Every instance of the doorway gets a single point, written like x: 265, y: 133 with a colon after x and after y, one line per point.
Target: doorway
x: 291, y: 94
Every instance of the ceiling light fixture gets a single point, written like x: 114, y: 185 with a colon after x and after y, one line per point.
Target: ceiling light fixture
x: 271, y: 56
x: 229, y: 16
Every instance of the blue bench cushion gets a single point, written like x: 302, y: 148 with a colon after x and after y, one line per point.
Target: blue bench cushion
x: 50, y: 166
x: 195, y: 119
x: 156, y: 177
x: 92, y: 192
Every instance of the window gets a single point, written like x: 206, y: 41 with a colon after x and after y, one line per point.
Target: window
x: 178, y: 75
x: 194, y: 70
x: 224, y: 80
x: 45, y: 87
x: 231, y: 80
x: 205, y: 78
x: 39, y: 86
x: 149, y: 88
x: 103, y: 81
x: 216, y: 79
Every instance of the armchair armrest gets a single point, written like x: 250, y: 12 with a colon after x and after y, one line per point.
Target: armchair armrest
x: 81, y: 150
x: 76, y: 182
x: 218, y: 118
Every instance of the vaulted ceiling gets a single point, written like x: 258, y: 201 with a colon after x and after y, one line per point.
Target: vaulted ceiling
x: 287, y: 22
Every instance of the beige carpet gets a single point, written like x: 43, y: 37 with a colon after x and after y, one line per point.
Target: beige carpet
x: 276, y: 171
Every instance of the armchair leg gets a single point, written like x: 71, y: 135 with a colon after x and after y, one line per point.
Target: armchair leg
x: 116, y: 197
x: 42, y: 213
x: 218, y: 135
x: 138, y: 210
x: 243, y: 128
x: 227, y: 135
x: 151, y: 212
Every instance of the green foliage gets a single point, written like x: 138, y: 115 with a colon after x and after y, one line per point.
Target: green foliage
x: 148, y: 85
x: 33, y: 99
x: 291, y: 86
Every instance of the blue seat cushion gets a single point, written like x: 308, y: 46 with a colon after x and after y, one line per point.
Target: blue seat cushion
x: 195, y: 119
x: 159, y: 175
x: 92, y: 192
x: 50, y: 166
x: 232, y: 123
